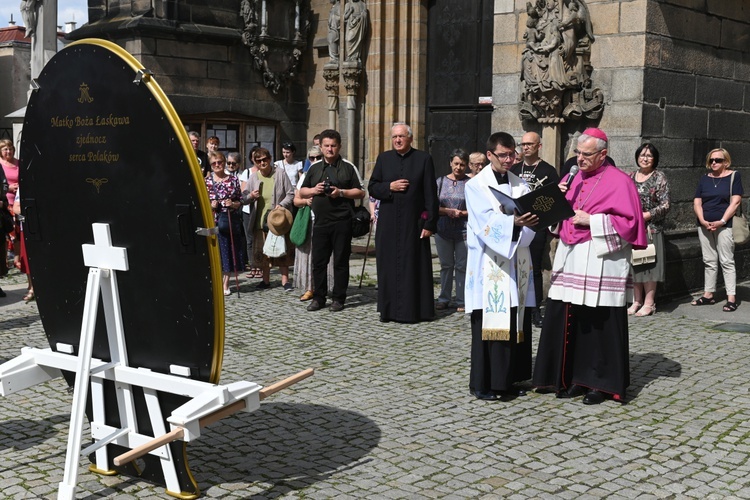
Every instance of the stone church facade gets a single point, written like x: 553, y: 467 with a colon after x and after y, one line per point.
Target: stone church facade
x: 672, y: 72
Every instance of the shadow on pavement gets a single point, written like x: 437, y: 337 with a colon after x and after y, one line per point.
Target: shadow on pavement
x: 647, y: 367
x: 22, y: 434
x: 285, y: 447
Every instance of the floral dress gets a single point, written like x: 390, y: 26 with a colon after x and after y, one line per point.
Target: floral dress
x: 654, y: 195
x: 228, y: 188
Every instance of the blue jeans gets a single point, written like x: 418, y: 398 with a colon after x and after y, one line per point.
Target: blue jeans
x: 452, y: 255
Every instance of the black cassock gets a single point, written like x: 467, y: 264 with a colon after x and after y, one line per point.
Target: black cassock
x: 405, y: 286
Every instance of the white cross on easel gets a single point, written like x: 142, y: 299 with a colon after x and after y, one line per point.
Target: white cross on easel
x: 102, y: 259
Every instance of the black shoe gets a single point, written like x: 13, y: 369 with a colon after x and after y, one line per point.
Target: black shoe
x: 262, y: 285
x: 315, y: 305
x: 337, y: 306
x: 2, y: 294
x: 384, y: 320
x: 485, y: 396
x: 573, y: 392
x: 537, y: 318
x: 510, y: 395
x: 593, y: 398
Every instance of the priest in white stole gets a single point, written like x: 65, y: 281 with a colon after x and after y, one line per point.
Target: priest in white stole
x: 499, y: 283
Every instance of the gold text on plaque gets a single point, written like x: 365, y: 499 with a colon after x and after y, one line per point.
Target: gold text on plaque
x: 97, y: 183
x: 543, y: 204
x: 85, y: 97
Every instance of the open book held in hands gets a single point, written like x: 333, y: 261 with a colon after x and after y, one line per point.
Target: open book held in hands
x: 548, y: 203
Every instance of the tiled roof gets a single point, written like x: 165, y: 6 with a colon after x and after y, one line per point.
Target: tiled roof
x: 14, y: 34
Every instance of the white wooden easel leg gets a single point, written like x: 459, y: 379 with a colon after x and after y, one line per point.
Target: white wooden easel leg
x: 67, y: 488
x: 157, y: 424
x: 118, y: 355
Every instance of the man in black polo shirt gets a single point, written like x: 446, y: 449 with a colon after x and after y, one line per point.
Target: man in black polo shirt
x: 335, y: 184
x: 536, y: 172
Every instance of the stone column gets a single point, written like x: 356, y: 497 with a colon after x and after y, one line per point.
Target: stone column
x: 551, y: 145
x: 352, y: 75
x: 331, y: 75
x: 44, y: 37
x: 396, y: 75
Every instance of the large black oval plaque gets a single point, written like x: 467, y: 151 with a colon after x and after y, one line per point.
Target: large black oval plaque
x: 102, y: 143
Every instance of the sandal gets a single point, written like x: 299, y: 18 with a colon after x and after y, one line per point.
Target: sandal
x: 646, y: 311
x: 634, y: 308
x: 730, y: 307
x: 703, y: 301
x: 29, y: 296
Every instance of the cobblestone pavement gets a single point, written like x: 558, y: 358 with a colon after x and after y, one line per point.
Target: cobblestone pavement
x: 388, y: 414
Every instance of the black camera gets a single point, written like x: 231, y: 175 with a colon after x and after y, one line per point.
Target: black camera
x: 327, y: 188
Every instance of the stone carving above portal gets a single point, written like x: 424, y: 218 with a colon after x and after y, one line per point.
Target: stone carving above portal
x: 556, y: 70
x: 275, y: 32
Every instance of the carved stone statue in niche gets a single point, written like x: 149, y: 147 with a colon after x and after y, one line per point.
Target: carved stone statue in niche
x: 355, y: 17
x: 275, y: 32
x: 334, y: 32
x: 555, y: 67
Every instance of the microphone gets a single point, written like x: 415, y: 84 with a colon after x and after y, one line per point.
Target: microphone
x: 573, y: 172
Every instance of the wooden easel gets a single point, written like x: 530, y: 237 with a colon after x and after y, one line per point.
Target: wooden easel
x: 209, y: 403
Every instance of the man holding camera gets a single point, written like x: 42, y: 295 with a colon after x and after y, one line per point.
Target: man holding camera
x: 334, y: 184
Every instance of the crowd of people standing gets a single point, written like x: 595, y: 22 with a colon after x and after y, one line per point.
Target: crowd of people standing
x: 606, y: 259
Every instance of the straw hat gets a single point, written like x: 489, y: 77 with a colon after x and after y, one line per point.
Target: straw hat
x: 280, y: 221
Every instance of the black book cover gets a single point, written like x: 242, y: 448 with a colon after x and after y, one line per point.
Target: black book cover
x: 548, y: 203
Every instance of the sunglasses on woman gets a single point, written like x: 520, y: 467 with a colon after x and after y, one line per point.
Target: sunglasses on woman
x: 316, y: 158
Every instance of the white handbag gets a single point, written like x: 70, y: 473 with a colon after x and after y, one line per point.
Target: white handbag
x: 645, y: 256
x: 275, y: 246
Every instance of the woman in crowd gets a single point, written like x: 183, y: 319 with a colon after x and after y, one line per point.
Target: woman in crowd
x: 3, y: 207
x: 225, y: 194
x: 23, y: 261
x: 234, y: 163
x: 303, y: 255
x: 265, y: 190
x: 450, y: 239
x: 244, y: 175
x: 653, y: 191
x: 477, y: 161
x: 717, y: 198
x: 235, y: 168
x: 10, y: 168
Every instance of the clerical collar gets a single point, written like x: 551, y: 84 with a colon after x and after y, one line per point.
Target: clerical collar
x: 597, y: 171
x: 500, y: 178
x: 404, y: 154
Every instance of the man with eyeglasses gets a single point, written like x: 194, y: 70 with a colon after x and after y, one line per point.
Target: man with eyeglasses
x: 498, y: 286
x: 404, y: 181
x: 583, y: 347
x: 334, y: 183
x: 537, y: 173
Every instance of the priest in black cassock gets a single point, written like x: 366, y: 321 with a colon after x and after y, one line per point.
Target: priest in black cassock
x: 404, y: 182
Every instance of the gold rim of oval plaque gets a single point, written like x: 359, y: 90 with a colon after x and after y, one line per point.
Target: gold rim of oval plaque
x: 203, y: 201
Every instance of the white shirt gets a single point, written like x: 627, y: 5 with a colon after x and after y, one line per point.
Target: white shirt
x: 292, y: 171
